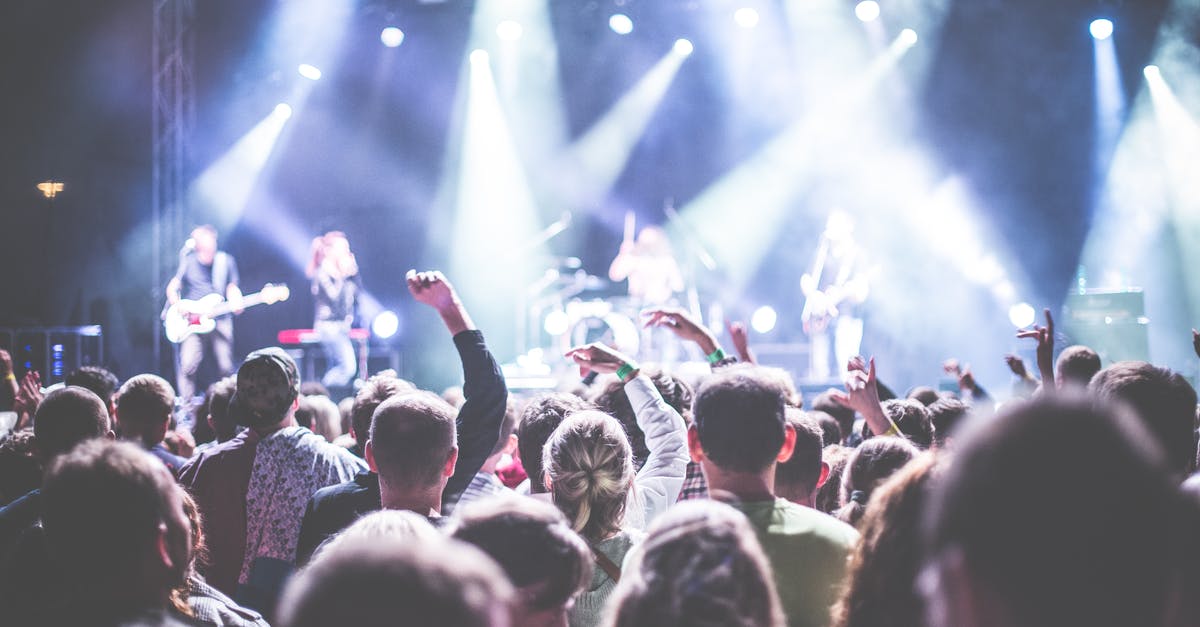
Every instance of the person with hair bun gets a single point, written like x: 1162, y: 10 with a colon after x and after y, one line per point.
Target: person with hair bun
x: 869, y: 466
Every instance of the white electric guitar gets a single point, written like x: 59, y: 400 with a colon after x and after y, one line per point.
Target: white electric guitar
x: 197, y: 317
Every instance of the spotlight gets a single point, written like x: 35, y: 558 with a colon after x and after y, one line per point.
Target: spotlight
x: 311, y: 72
x: 283, y: 110
x: 764, y: 319
x: 1152, y: 72
x: 620, y: 24
x: 557, y: 322
x: 683, y: 47
x: 391, y: 36
x: 509, y: 30
x: 1021, y: 315
x: 909, y: 37
x: 479, y: 56
x: 746, y: 17
x: 867, y: 10
x: 385, y: 325
x: 1101, y: 29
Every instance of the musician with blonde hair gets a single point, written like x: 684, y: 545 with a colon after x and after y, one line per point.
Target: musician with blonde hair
x: 335, y: 287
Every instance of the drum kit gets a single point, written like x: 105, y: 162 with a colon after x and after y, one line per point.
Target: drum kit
x: 568, y: 307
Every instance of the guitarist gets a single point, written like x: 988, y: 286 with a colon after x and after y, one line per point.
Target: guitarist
x: 832, y: 290
x: 204, y: 270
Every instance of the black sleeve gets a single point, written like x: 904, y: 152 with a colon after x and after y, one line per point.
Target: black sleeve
x: 481, y: 415
x: 312, y: 534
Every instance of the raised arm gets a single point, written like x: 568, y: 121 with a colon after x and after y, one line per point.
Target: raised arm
x: 862, y: 395
x: 483, y: 384
x: 1045, y: 350
x: 687, y: 329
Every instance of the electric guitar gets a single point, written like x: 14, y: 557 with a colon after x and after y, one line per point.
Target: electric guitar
x: 197, y: 317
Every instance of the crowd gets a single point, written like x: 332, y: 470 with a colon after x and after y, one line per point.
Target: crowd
x: 640, y: 500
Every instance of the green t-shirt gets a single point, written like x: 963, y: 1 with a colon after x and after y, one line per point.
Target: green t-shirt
x: 808, y: 551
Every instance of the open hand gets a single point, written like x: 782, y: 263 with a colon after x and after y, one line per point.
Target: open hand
x: 597, y: 357
x: 1016, y: 365
x: 682, y: 325
x: 741, y: 341
x: 1045, y: 347
x: 29, y: 394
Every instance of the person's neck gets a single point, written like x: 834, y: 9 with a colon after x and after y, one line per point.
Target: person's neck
x: 798, y: 496
x: 746, y: 486
x: 425, y: 501
x: 290, y: 421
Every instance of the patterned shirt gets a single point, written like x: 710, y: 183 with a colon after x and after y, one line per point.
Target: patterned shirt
x: 484, y: 484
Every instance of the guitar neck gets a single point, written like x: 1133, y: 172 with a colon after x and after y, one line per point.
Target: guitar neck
x: 250, y: 300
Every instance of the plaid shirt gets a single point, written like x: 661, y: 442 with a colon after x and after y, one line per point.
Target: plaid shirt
x: 694, y: 485
x: 484, y: 484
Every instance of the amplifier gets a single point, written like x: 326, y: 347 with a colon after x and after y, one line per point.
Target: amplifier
x: 53, y: 351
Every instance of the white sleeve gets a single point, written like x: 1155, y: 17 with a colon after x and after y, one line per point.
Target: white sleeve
x: 658, y: 482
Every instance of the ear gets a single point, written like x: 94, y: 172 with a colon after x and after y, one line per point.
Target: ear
x: 546, y: 480
x: 789, y: 443
x: 694, y: 448
x: 212, y: 425
x: 296, y: 402
x: 110, y: 435
x: 369, y: 455
x: 451, y: 460
x: 160, y: 545
x: 511, y: 447
x: 823, y: 477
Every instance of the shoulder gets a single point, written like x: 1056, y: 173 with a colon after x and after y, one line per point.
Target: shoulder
x: 217, y: 456
x: 796, y: 519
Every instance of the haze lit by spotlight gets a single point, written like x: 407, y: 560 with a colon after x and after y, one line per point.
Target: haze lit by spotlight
x: 908, y: 37
x: 283, y: 110
x: 1152, y: 72
x: 385, y: 325
x: 557, y: 322
x: 311, y: 72
x: 867, y: 10
x: 1021, y: 315
x: 746, y: 17
x: 683, y: 47
x: 764, y: 319
x: 509, y: 30
x: 1101, y: 29
x: 391, y: 36
x: 479, y: 56
x: 620, y: 24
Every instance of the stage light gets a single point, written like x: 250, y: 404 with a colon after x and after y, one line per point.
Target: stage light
x: 908, y: 37
x: 311, y: 72
x: 385, y: 325
x: 391, y: 36
x: 479, y: 57
x: 283, y: 110
x: 509, y: 30
x: 1101, y: 28
x: 1021, y: 315
x: 867, y: 10
x: 683, y: 47
x: 746, y: 17
x: 764, y: 319
x: 557, y: 322
x: 620, y: 24
x: 1152, y: 72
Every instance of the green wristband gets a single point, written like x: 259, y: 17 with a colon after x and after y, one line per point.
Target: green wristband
x: 625, y: 370
x: 715, y: 356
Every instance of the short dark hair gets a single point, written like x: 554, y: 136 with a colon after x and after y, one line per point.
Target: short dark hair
x: 739, y: 414
x: 946, y: 415
x: 1163, y: 399
x: 844, y: 415
x: 612, y: 400
x: 218, y: 397
x: 102, y: 505
x: 534, y: 544
x: 803, y: 468
x: 869, y: 466
x: 376, y: 390
x: 99, y: 380
x: 923, y: 394
x: 1077, y: 365
x: 397, y: 583
x: 539, y: 419
x: 144, y: 402
x: 68, y: 416
x: 1085, y: 534
x: 912, y: 418
x: 314, y: 388
x: 831, y: 431
x: 411, y: 436
x: 829, y: 496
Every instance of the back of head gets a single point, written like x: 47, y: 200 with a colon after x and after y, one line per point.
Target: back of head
x: 219, y: 395
x: 700, y: 565
x: 544, y: 559
x: 104, y: 505
x: 797, y: 478
x: 268, y: 385
x: 590, y: 469
x: 539, y: 419
x: 99, y: 380
x: 831, y: 430
x: 946, y: 415
x: 1076, y: 366
x: 1059, y: 513
x: 912, y: 418
x: 869, y: 466
x: 844, y: 415
x: 890, y: 551
x: 1163, y: 399
x: 613, y: 401
x: 924, y: 395
x: 398, y: 583
x: 144, y: 407
x: 739, y: 416
x: 829, y: 495
x: 66, y: 417
x: 411, y: 438
x: 508, y: 426
x: 376, y: 390
x: 385, y: 524
x: 326, y: 421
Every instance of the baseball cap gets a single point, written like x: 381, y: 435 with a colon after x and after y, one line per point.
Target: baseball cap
x: 267, y: 385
